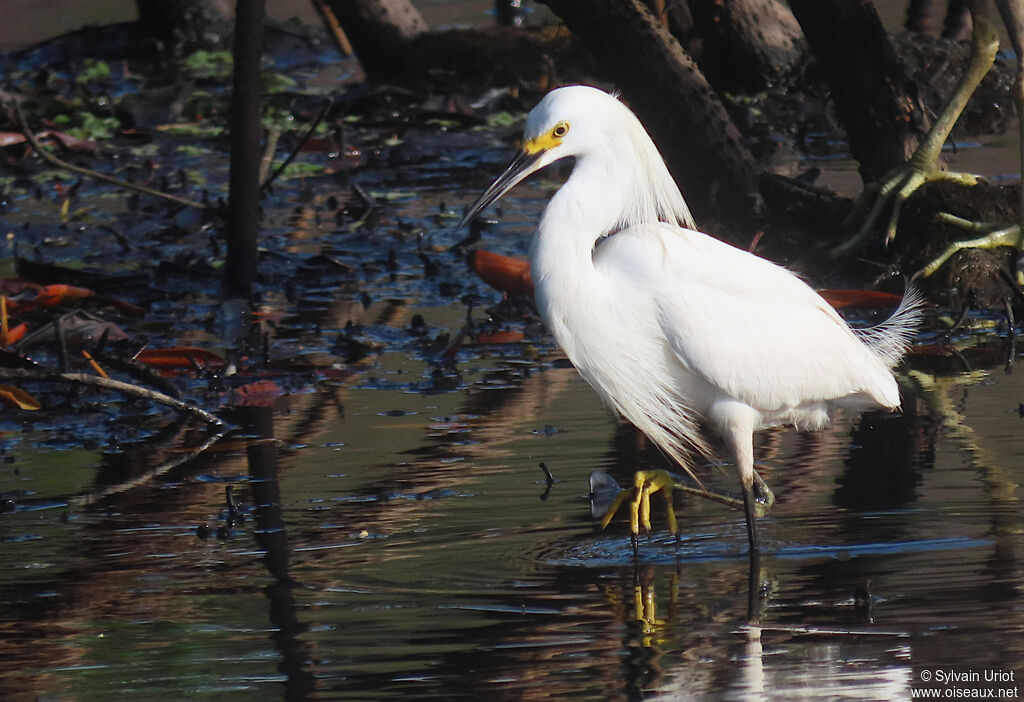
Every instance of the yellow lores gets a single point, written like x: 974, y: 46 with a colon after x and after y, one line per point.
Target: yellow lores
x: 548, y: 140
x: 671, y: 327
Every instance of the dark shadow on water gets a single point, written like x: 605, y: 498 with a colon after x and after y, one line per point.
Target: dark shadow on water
x: 271, y: 536
x: 887, y: 454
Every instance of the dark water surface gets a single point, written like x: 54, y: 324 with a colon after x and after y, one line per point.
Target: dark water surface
x: 400, y: 541
x: 400, y: 548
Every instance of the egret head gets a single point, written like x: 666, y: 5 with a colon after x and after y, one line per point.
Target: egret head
x: 550, y: 134
x: 580, y: 121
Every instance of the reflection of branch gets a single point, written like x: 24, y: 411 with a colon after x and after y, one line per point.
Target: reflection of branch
x: 91, y: 497
x: 61, y: 163
x: 110, y: 384
x: 135, y: 391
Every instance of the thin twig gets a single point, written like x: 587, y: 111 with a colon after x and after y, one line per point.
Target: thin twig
x: 61, y: 163
x: 295, y: 151
x: 1011, y: 337
x: 333, y: 28
x: 111, y: 384
x: 268, y: 153
x: 367, y: 202
x: 62, y: 344
x: 94, y: 365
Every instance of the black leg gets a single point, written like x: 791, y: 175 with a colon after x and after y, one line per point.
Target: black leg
x: 754, y: 589
x: 748, y: 508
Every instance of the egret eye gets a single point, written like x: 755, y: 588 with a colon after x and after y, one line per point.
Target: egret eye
x: 560, y: 130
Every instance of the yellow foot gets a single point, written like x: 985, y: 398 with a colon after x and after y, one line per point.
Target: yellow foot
x: 645, y: 483
x: 648, y: 482
x: 993, y: 236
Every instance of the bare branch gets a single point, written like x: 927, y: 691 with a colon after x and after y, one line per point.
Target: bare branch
x: 61, y: 163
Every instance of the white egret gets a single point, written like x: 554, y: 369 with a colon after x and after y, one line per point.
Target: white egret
x: 670, y: 326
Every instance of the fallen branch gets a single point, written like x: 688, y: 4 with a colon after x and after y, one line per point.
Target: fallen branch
x: 61, y: 163
x: 111, y: 384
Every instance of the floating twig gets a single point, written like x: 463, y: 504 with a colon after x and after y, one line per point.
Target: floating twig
x: 549, y: 479
x: 291, y: 157
x: 367, y: 200
x: 94, y: 365
x: 269, y: 149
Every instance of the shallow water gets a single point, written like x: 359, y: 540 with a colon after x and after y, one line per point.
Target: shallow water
x: 404, y: 544
x: 401, y: 540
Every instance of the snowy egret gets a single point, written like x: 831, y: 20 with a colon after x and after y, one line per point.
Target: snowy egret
x: 670, y: 326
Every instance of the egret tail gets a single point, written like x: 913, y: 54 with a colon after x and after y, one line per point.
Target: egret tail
x: 889, y: 340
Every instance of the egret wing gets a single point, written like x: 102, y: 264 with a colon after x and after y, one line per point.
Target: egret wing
x: 748, y: 327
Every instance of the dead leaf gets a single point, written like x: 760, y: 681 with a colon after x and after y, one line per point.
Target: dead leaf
x: 68, y: 141
x: 13, y: 335
x: 11, y: 139
x: 179, y: 357
x: 503, y: 273
x: 79, y: 328
x: 17, y: 398
x: 860, y: 299
x: 262, y: 393
x: 508, y: 336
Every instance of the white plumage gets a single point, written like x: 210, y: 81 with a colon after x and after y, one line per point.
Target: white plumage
x: 671, y: 326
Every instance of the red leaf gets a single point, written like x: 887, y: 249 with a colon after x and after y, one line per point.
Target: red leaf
x: 508, y: 336
x: 126, y: 307
x: 178, y: 357
x: 16, y: 286
x: 261, y: 393
x: 50, y: 295
x: 860, y: 298
x: 503, y: 273
x: 28, y: 296
x: 14, y: 335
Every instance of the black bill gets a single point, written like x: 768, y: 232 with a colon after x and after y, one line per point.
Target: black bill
x: 522, y: 165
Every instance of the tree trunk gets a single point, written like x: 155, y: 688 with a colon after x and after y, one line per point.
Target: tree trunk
x: 925, y: 17
x: 876, y: 101
x: 674, y: 101
x: 380, y: 31
x: 958, y: 23
x: 246, y: 132
x: 949, y: 19
x: 747, y: 44
x: 185, y: 26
